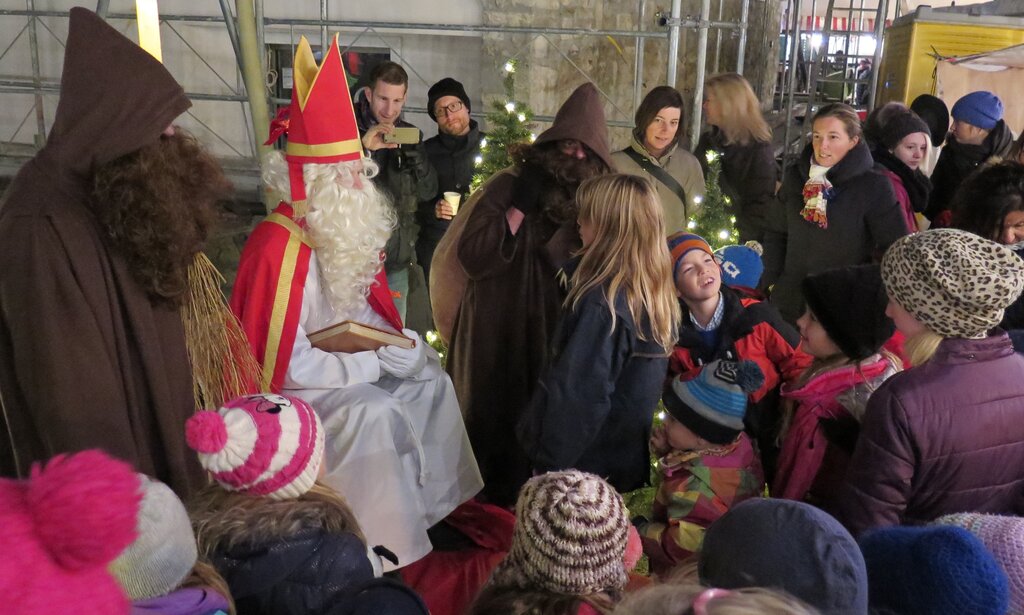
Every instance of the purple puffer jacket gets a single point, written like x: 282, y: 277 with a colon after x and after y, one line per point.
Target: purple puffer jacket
x: 943, y: 437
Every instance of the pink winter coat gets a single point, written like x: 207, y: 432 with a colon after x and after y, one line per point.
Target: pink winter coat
x: 836, y: 394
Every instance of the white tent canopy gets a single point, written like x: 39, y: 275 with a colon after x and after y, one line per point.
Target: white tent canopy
x: 1000, y: 72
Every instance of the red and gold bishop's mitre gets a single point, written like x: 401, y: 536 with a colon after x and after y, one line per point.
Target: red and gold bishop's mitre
x: 320, y: 121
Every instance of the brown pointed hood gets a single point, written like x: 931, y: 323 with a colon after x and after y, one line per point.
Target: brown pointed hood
x: 581, y: 117
x: 114, y: 98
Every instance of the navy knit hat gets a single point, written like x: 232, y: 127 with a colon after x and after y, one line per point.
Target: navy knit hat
x: 741, y: 265
x: 787, y: 545
x: 981, y: 109
x: 850, y: 305
x: 713, y: 404
x: 445, y: 87
x: 936, y: 569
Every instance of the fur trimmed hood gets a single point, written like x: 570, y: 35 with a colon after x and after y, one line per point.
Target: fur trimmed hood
x: 224, y: 520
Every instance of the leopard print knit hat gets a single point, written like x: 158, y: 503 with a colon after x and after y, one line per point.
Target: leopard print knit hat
x: 570, y: 536
x: 956, y: 283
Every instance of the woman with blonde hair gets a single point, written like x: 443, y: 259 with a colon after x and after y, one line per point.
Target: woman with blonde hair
x: 654, y: 154
x: 743, y: 141
x: 593, y: 407
x: 947, y: 434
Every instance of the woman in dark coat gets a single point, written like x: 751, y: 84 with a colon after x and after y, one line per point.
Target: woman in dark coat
x: 744, y: 141
x: 834, y: 210
x: 946, y: 435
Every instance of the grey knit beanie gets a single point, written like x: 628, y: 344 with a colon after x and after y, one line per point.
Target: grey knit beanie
x: 570, y: 536
x: 164, y: 552
x: 956, y: 283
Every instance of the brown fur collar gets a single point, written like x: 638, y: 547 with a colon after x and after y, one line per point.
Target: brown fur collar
x: 223, y: 520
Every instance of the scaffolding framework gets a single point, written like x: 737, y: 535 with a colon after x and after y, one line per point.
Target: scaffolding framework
x: 246, y: 29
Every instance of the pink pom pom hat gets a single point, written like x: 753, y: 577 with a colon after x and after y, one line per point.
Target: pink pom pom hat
x: 263, y: 445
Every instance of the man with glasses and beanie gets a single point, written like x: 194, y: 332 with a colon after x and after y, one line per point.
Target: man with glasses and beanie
x: 452, y: 153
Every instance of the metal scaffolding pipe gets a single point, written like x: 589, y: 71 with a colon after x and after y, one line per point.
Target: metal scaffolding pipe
x: 673, y: 42
x: 718, y: 39
x: 229, y: 23
x: 794, y: 41
x: 33, y: 45
x: 883, y: 12
x: 638, y: 62
x: 102, y: 6
x: 323, y: 27
x: 698, y: 87
x: 741, y: 46
x: 255, y: 82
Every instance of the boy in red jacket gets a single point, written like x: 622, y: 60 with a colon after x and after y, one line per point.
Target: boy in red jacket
x: 719, y: 323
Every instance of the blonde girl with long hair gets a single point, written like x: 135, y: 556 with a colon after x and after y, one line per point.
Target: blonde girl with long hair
x: 738, y: 135
x: 593, y: 408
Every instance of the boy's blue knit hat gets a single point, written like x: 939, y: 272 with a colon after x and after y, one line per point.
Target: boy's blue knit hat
x: 741, y: 265
x: 936, y: 569
x: 713, y: 404
x: 981, y: 109
x: 680, y: 243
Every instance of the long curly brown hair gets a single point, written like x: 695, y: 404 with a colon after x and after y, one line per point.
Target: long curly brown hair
x: 156, y: 206
x: 554, y: 176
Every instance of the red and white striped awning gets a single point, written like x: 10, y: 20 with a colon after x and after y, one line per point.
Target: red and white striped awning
x: 839, y: 24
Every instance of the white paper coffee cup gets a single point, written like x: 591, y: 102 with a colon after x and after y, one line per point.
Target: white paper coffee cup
x: 453, y: 198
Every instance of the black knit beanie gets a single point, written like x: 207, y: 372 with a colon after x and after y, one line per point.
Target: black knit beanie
x: 902, y: 125
x: 445, y: 87
x: 850, y: 304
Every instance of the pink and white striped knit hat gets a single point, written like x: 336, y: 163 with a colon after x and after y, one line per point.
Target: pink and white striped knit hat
x: 263, y: 445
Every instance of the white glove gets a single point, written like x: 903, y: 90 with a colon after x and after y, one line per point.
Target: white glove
x: 401, y: 362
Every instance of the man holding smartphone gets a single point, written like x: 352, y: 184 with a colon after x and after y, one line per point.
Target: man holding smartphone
x: 406, y: 177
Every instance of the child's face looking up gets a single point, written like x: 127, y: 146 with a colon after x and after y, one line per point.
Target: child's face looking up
x: 680, y: 438
x: 813, y: 338
x: 698, y: 277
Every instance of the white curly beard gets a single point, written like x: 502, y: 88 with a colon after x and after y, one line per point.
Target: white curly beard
x: 348, y: 222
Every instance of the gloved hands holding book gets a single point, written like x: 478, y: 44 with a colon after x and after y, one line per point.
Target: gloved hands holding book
x: 402, y: 362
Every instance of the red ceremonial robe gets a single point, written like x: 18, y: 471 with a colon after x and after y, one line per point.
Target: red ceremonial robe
x: 267, y: 296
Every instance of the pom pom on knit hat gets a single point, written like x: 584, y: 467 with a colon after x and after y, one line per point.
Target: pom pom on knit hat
x: 713, y: 403
x: 981, y: 109
x: 164, y: 552
x: 61, y: 528
x: 741, y: 265
x: 954, y: 282
x: 264, y: 445
x: 445, y: 87
x: 570, y: 536
x: 1004, y: 537
x: 680, y: 243
x: 850, y: 305
x: 936, y: 569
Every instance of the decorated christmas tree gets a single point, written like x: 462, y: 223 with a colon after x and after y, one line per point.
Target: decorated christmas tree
x: 715, y: 221
x: 508, y: 123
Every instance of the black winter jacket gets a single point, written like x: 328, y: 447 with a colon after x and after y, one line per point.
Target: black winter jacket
x: 864, y: 218
x: 593, y: 407
x: 957, y: 161
x: 748, y: 178
x: 305, y: 573
x: 453, y: 158
x: 407, y: 178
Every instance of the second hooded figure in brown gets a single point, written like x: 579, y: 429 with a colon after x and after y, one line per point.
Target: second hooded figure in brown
x: 494, y: 285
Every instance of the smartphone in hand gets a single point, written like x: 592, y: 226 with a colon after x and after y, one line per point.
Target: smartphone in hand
x: 403, y: 136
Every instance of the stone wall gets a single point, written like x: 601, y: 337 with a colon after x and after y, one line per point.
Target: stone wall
x: 552, y: 65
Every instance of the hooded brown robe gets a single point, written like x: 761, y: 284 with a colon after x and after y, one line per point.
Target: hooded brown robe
x: 512, y: 299
x: 87, y: 360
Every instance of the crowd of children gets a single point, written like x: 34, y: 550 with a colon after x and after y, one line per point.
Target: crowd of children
x: 868, y: 459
